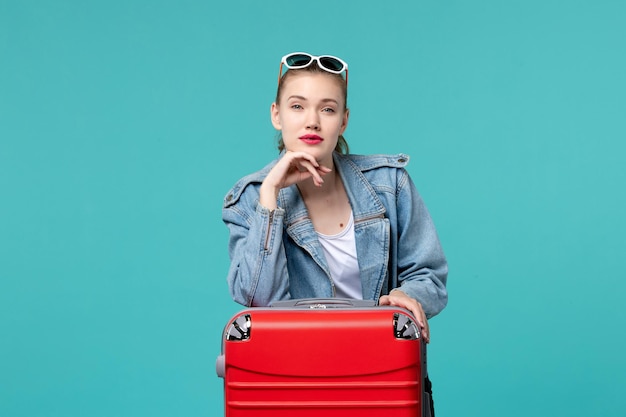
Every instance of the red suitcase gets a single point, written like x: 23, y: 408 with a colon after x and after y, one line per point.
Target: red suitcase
x: 330, y: 357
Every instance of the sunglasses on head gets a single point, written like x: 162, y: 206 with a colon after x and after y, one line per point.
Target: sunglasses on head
x: 298, y: 60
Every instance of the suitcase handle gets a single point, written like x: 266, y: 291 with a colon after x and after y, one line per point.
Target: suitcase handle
x: 323, y: 303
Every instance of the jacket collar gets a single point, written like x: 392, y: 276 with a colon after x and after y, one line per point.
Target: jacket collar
x: 363, y: 199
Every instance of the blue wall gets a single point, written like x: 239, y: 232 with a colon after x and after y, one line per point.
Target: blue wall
x: 123, y: 124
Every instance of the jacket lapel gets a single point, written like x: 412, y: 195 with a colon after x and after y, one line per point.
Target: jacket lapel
x: 371, y: 228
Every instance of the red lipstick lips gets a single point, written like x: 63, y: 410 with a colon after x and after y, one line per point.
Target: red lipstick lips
x: 311, y: 139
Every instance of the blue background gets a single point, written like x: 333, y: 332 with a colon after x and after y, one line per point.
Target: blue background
x: 123, y: 124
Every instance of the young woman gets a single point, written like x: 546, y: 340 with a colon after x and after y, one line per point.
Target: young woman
x: 320, y: 222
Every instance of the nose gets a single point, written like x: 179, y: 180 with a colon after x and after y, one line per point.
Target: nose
x: 313, y: 121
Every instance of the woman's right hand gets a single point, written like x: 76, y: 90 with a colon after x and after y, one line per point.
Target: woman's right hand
x: 292, y: 168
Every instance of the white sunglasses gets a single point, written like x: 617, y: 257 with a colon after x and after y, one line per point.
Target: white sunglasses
x: 298, y: 60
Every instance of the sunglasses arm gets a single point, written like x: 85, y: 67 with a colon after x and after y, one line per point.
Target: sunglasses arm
x: 280, y: 72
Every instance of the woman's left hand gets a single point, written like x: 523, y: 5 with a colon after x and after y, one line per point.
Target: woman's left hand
x: 400, y: 299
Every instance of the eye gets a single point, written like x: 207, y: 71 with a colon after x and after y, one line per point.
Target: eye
x: 328, y: 110
x: 296, y: 106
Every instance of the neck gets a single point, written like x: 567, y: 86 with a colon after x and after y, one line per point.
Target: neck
x: 332, y: 182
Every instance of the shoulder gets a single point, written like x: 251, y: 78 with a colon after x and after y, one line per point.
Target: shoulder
x: 373, y: 162
x: 383, y: 172
x: 247, y: 184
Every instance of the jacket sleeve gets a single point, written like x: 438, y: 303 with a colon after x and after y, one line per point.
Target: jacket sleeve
x: 422, y: 266
x: 258, y: 269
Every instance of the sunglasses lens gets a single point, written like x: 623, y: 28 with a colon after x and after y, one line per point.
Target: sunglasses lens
x: 298, y: 60
x: 331, y: 63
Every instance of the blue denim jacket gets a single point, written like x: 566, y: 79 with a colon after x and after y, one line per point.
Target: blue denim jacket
x: 276, y: 255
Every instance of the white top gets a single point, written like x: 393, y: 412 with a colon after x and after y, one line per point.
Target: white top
x: 340, y: 252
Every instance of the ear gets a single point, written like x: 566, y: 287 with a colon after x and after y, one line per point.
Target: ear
x: 344, y: 122
x: 275, y: 116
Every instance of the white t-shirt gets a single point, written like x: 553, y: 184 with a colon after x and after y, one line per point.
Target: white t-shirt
x: 340, y: 252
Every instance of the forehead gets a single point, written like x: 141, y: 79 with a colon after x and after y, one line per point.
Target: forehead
x: 313, y: 85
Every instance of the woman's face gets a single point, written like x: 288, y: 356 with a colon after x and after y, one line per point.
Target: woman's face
x: 311, y: 114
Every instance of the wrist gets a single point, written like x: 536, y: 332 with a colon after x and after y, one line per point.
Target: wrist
x: 397, y: 290
x: 268, y: 196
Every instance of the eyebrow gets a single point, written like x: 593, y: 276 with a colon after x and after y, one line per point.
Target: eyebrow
x: 324, y: 100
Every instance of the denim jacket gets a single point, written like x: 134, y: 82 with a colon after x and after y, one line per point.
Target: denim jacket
x: 276, y: 254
